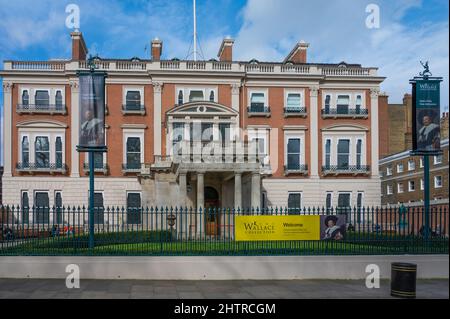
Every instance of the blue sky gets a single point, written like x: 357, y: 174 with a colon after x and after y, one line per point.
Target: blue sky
x: 267, y: 30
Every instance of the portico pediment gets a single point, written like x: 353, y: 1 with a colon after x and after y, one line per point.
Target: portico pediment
x: 203, y: 108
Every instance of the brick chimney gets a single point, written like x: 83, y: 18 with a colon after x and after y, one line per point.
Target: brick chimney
x: 79, y: 49
x: 299, y: 53
x: 156, y: 49
x: 226, y: 50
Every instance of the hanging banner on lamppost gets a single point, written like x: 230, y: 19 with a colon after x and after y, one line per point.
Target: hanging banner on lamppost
x: 426, y: 112
x: 92, y: 110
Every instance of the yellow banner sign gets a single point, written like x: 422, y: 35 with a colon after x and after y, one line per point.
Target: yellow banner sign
x: 253, y: 228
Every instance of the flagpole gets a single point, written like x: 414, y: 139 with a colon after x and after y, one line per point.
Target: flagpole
x: 195, y: 32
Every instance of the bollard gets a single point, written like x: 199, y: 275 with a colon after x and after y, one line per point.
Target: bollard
x: 403, y: 280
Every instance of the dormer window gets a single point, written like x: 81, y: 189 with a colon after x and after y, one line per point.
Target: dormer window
x: 253, y: 61
x: 196, y: 95
x: 25, y: 98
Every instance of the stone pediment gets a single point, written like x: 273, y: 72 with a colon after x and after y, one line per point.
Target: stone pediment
x: 203, y: 108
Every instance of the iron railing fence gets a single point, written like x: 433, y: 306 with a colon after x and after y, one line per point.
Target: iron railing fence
x: 186, y: 231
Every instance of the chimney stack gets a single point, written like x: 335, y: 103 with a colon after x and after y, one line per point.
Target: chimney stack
x: 299, y: 53
x: 226, y: 50
x: 79, y: 49
x: 156, y: 49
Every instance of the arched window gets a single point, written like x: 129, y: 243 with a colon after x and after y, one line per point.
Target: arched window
x: 180, y: 97
x: 25, y: 98
x: 25, y: 152
x: 211, y: 96
x: 58, y: 152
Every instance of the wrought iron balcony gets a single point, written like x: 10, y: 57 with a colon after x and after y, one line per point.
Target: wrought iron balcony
x: 295, y: 169
x: 128, y: 109
x: 131, y: 168
x: 42, y: 168
x: 295, y: 111
x: 345, y: 113
x: 98, y: 168
x: 41, y: 108
x: 258, y: 110
x: 348, y: 169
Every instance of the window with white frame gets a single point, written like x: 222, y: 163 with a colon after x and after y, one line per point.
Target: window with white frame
x: 389, y: 171
x: 44, y: 147
x: 58, y: 152
x: 180, y: 97
x: 58, y: 204
x: 327, y: 103
x: 294, y: 202
x: 438, y: 181
x: 358, y: 153
x: 329, y: 201
x: 257, y: 99
x: 59, y: 99
x: 422, y: 184
x: 438, y: 159
x: 328, y: 153
x: 133, y: 98
x: 358, y: 103
x: 133, y: 152
x: 400, y: 188
x: 344, y: 203
x: 42, y: 152
x: 294, y: 100
x: 133, y: 148
x: 25, y: 151
x: 293, y: 153
x: 342, y: 104
x: 211, y: 96
x: 421, y: 163
x: 400, y: 168
x: 42, y: 98
x: 196, y: 95
x: 25, y: 98
x: 134, y: 210
x: 343, y: 153
x: 411, y: 186
x: 177, y: 138
x: 389, y: 190
x: 25, y: 206
x: 411, y: 165
x: 42, y: 207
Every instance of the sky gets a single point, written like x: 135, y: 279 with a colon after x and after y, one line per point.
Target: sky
x: 409, y: 31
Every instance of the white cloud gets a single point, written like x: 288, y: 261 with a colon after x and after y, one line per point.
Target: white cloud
x: 336, y: 32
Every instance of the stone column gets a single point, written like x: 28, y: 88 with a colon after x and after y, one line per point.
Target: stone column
x: 200, y: 202
x: 374, y: 132
x: 74, y: 133
x: 7, y: 128
x: 256, y: 190
x: 157, y: 90
x: 314, y: 133
x: 238, y: 190
x: 182, y: 216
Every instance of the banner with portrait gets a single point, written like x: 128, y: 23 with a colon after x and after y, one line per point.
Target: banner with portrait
x: 426, y: 115
x: 92, y: 110
x: 290, y: 227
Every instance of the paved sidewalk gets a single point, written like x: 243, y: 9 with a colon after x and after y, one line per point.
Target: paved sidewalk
x: 271, y: 289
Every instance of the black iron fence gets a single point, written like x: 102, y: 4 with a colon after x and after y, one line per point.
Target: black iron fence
x: 187, y: 231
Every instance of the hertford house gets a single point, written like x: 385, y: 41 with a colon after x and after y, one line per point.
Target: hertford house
x: 313, y: 128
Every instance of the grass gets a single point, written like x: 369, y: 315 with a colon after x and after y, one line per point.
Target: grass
x: 160, y: 243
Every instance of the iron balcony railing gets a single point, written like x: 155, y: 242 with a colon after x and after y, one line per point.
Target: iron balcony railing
x: 296, y: 169
x: 133, y: 109
x: 42, y: 108
x: 46, y: 168
x: 347, y: 169
x: 345, y: 112
x: 258, y: 110
x: 187, y: 231
x: 295, y: 111
x: 98, y: 168
x: 131, y: 167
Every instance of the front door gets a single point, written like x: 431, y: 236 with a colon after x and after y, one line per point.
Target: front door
x: 212, y: 211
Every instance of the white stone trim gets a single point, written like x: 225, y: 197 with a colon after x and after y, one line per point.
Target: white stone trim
x: 300, y: 91
x: 250, y: 91
x: 127, y: 88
